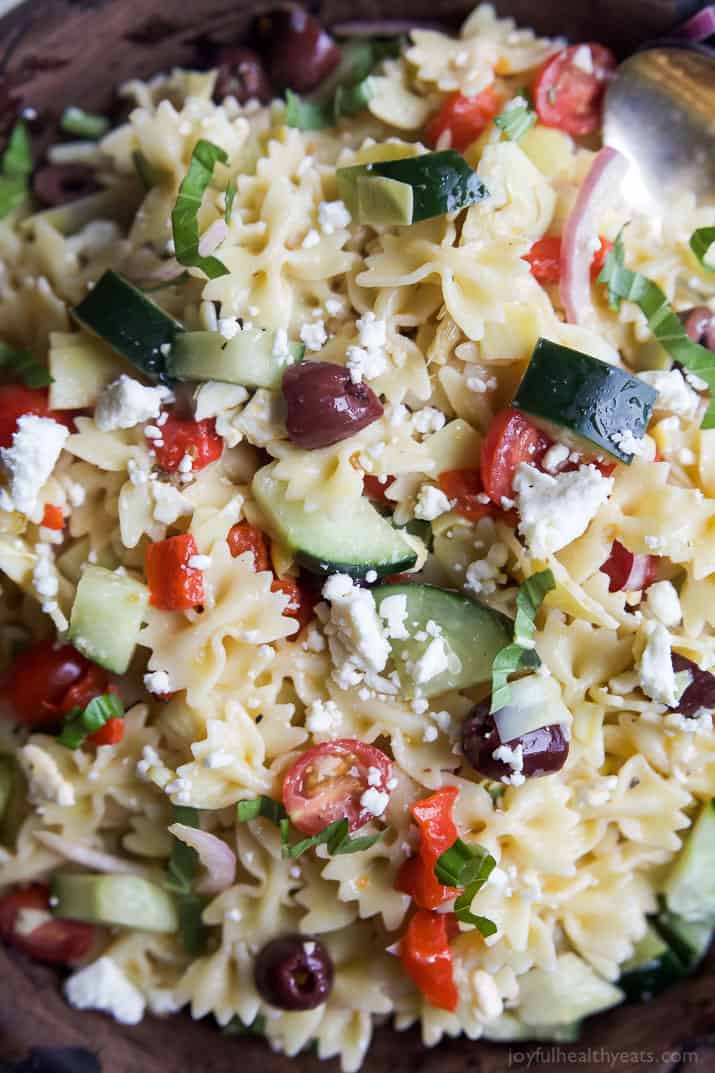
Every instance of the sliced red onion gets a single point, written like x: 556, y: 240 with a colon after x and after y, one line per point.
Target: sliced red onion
x: 700, y: 693
x: 213, y: 237
x: 216, y: 857
x: 90, y: 858
x: 598, y: 191
x: 700, y: 26
x: 629, y: 571
x: 382, y: 27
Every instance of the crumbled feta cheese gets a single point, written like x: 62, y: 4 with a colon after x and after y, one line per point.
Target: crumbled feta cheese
x: 126, y: 403
x: 234, y: 915
x: 431, y: 503
x: 333, y: 216
x: 674, y: 395
x: 157, y: 682
x: 280, y: 348
x: 479, y: 384
x: 663, y: 602
x: 28, y: 463
x: 654, y: 543
x: 371, y: 577
x: 314, y: 640
x: 554, y: 510
x: 186, y: 464
x: 138, y: 473
x: 311, y: 239
x: 333, y: 306
x: 374, y: 801
x: 433, y: 661
x: 44, y: 575
x: 169, y: 503
x: 199, y: 562
x: 355, y: 636
x: 393, y: 609
x: 103, y: 986
x: 75, y: 492
x: 45, y: 780
x: 583, y: 59
x: 428, y: 419
x: 513, y: 757
x: 150, y: 759
x: 228, y: 327
x: 323, y: 717
x: 655, y: 667
x: 419, y: 705
x: 28, y: 919
x: 154, y: 433
x: 484, y: 575
x: 675, y: 722
x: 314, y: 335
x: 374, y: 776
x: 368, y: 360
x: 430, y: 734
x: 630, y: 444
x: 556, y: 455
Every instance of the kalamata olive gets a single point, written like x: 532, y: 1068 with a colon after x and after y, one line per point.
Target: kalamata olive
x: 294, y: 972
x: 324, y: 406
x: 56, y: 184
x: 701, y: 691
x: 240, y: 74
x: 543, y: 750
x: 699, y: 323
x: 300, y: 54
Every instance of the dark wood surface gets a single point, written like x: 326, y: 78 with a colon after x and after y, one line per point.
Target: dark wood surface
x: 62, y: 52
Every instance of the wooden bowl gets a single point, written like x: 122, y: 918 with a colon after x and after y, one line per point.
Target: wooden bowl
x: 76, y: 51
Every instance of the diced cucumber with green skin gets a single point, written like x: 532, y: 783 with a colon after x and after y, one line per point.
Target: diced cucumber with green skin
x: 116, y: 900
x: 359, y: 541
x: 583, y: 401
x: 569, y: 992
x: 106, y: 617
x: 473, y: 633
x: 130, y: 323
x: 652, y: 969
x: 690, y: 887
x: 689, y: 940
x: 441, y: 182
x: 247, y: 359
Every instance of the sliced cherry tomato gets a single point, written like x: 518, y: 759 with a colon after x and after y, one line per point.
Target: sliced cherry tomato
x: 56, y: 942
x: 433, y: 816
x: 16, y: 400
x: 246, y: 537
x: 464, y: 487
x: 93, y: 683
x: 599, y: 258
x: 53, y: 517
x: 464, y: 117
x: 328, y: 781
x: 110, y: 734
x: 302, y: 600
x: 569, y: 88
x: 36, y: 683
x: 628, y: 571
x: 174, y: 585
x: 374, y: 489
x: 427, y: 959
x: 545, y: 259
x: 510, y: 440
x: 181, y: 437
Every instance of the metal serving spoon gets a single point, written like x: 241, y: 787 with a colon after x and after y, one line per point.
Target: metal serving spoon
x: 660, y: 113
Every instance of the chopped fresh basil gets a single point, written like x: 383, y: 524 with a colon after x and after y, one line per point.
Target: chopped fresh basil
x: 28, y: 368
x: 83, y: 124
x: 260, y: 806
x: 335, y: 835
x: 663, y: 322
x: 464, y: 914
x: 702, y: 243
x: 307, y: 115
x: 80, y: 723
x: 467, y: 867
x: 521, y: 653
x: 15, y: 169
x: 229, y: 195
x: 236, y: 1027
x: 185, y: 215
x: 516, y: 119
x: 183, y: 867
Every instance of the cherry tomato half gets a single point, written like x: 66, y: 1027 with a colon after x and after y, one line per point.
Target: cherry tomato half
x: 510, y: 440
x: 327, y: 782
x: 464, y: 487
x: 16, y: 400
x: 464, y: 117
x: 182, y: 436
x: 56, y: 942
x: 38, y: 680
x: 569, y: 88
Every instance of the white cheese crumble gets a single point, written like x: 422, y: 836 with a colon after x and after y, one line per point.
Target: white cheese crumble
x: 630, y: 444
x: 513, y: 757
x: 103, y: 986
x: 356, y: 639
x: 27, y: 920
x: 157, y: 682
x: 655, y: 667
x: 322, y: 717
x: 368, y: 360
x: 126, y: 403
x: 433, y: 661
x: 314, y: 335
x: 375, y: 801
x: 583, y: 59
x: 484, y: 575
x: 556, y: 455
x: 311, y: 239
x: 427, y: 420
x: 333, y: 216
x: 393, y: 609
x: 45, y: 780
x: 431, y: 503
x: 674, y: 395
x: 663, y: 602
x: 169, y: 503
x: 199, y: 562
x: 554, y: 510
x: 28, y: 463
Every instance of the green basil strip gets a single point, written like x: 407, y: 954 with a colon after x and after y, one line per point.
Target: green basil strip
x: 464, y: 914
x: 83, y: 124
x: 73, y: 733
x: 183, y: 867
x: 185, y: 215
x: 28, y: 368
x: 335, y: 835
x: 700, y: 242
x: 521, y: 654
x: 351, y: 100
x: 230, y: 196
x: 516, y: 120
x: 193, y: 931
x: 236, y: 1027
x: 15, y: 169
x: 261, y: 806
x: 464, y: 865
x: 307, y: 115
x: 663, y: 322
x: 79, y: 723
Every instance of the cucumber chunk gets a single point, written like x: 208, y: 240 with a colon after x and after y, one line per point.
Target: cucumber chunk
x: 652, y: 969
x: 132, y: 325
x: 472, y: 632
x: 440, y: 182
x: 247, y: 359
x: 690, y: 887
x: 122, y: 901
x: 359, y: 541
x: 584, y: 402
x: 80, y: 367
x: 573, y: 990
x: 106, y: 617
x: 689, y: 940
